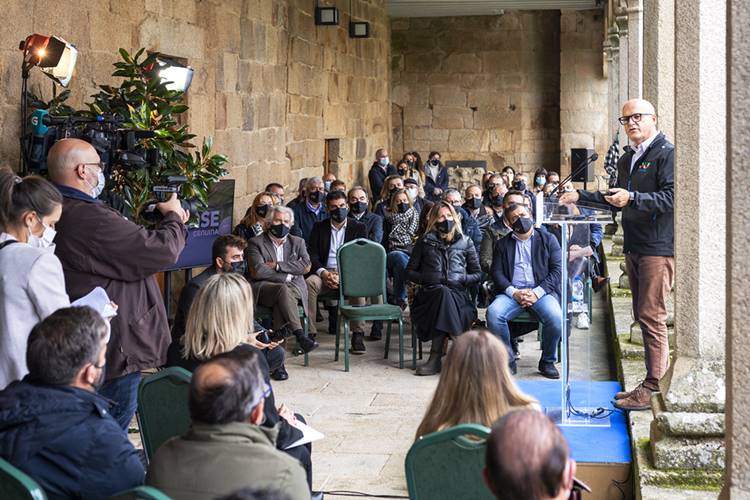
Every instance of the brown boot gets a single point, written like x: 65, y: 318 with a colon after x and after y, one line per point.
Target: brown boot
x: 625, y: 394
x: 639, y: 399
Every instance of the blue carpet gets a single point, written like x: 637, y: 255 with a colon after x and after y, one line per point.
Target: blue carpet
x: 587, y: 444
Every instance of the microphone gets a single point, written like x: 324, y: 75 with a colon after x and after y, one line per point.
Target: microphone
x: 576, y: 171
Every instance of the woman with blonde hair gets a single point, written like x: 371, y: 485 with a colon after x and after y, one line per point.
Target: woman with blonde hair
x: 444, y: 263
x: 255, y: 221
x: 476, y: 368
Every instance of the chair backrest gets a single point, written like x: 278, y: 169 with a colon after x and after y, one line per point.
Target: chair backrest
x: 447, y: 465
x: 361, y: 265
x: 163, y: 407
x: 16, y: 485
x: 141, y: 493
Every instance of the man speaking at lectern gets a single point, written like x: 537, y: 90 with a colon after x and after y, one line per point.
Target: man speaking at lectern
x: 645, y: 194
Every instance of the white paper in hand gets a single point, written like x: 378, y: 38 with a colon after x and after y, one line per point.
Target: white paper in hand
x: 98, y: 300
x: 308, y: 435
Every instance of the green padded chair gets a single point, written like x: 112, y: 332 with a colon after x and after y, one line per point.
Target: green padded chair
x: 17, y: 485
x: 447, y: 465
x: 263, y: 313
x: 163, y: 407
x: 361, y: 265
x: 141, y: 493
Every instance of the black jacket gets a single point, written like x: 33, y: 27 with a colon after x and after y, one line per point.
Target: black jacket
x: 431, y: 184
x: 546, y: 262
x: 373, y: 225
x: 187, y: 295
x: 304, y: 219
x: 320, y: 241
x: 437, y: 262
x: 66, y: 440
x: 377, y: 176
x: 647, y: 221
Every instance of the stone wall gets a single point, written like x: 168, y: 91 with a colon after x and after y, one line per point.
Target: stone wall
x: 269, y: 85
x: 479, y: 88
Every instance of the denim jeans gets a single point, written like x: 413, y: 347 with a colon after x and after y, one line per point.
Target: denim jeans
x: 124, y: 392
x: 504, y: 309
x: 396, y: 263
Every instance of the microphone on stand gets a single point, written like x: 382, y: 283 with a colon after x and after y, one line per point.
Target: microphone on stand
x: 576, y: 171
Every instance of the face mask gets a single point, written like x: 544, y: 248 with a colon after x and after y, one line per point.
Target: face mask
x: 316, y: 197
x: 519, y: 186
x: 393, y: 190
x: 446, y: 226
x: 410, y: 163
x: 279, y: 230
x: 43, y: 241
x: 412, y: 193
x: 402, y: 171
x: 490, y: 187
x: 403, y: 208
x: 238, y: 267
x: 383, y: 161
x: 435, y: 162
x: 261, y: 210
x: 359, y: 207
x: 100, y: 181
x: 475, y: 203
x: 522, y: 225
x: 327, y: 185
x: 339, y: 214
x: 497, y: 201
x: 540, y: 181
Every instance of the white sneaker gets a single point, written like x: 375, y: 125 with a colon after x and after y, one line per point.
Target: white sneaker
x: 583, y: 321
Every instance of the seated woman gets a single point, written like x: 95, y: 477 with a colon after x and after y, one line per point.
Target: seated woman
x: 445, y: 264
x: 399, y: 232
x: 476, y: 367
x: 254, y: 222
x: 391, y: 184
x: 221, y: 321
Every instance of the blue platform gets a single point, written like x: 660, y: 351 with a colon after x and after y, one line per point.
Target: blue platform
x: 604, y: 445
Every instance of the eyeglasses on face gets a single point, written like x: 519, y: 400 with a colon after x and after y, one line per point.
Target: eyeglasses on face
x: 636, y: 117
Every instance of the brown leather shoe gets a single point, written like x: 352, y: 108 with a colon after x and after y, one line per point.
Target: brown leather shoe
x: 625, y: 394
x: 639, y: 399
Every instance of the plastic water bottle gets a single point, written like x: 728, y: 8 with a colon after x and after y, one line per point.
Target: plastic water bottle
x: 577, y: 294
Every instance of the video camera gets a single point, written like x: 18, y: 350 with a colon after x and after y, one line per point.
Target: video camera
x: 168, y: 184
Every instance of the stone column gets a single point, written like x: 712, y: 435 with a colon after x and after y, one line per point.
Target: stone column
x: 737, y: 476
x: 635, y: 48
x: 621, y: 18
x: 688, y: 412
x: 658, y: 60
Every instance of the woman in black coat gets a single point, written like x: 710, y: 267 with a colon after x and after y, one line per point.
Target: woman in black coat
x: 445, y: 264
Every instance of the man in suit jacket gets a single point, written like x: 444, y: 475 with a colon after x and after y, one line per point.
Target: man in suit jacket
x: 277, y: 264
x: 358, y: 210
x: 326, y: 238
x: 527, y: 270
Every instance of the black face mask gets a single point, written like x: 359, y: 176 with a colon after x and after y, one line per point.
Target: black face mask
x: 522, y: 225
x: 316, y: 196
x: 339, y: 214
x: 519, y: 186
x: 359, y: 207
x: 410, y: 163
x: 236, y: 267
x: 445, y: 226
x: 261, y: 210
x: 435, y: 163
x: 402, y: 171
x: 497, y: 201
x: 279, y: 230
x: 490, y: 187
x: 403, y: 208
x: 475, y: 203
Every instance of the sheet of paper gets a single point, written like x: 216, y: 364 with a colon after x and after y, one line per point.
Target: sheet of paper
x: 308, y: 435
x: 98, y: 300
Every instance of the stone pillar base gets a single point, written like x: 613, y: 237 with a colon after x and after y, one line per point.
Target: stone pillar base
x: 694, y: 385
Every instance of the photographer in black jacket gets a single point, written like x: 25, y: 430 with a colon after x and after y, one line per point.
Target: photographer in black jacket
x: 645, y: 194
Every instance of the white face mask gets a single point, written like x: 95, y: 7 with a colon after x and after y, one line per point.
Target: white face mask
x: 100, y: 181
x: 411, y: 193
x: 46, y: 240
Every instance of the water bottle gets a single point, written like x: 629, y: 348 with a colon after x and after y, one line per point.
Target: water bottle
x: 577, y: 294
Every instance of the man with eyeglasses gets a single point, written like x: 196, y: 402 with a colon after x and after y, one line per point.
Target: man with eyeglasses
x: 97, y: 246
x: 645, y: 194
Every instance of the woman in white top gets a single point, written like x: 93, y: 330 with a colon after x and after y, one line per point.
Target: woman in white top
x: 32, y: 285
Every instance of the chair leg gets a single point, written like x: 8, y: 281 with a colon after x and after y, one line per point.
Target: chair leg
x: 346, y: 344
x: 400, y: 343
x: 305, y: 330
x: 387, y: 340
x: 336, y: 356
x: 413, y: 349
x: 420, y: 350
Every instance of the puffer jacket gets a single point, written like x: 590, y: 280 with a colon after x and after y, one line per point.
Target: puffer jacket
x: 435, y: 261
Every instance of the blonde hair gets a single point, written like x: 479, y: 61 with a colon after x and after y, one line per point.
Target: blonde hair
x: 432, y: 218
x: 393, y: 206
x: 384, y: 192
x: 475, y: 385
x: 220, y: 318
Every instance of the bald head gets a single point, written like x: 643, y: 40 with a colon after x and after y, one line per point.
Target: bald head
x: 639, y: 117
x: 74, y: 163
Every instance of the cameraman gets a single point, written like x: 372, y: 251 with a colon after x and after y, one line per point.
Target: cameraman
x: 99, y: 247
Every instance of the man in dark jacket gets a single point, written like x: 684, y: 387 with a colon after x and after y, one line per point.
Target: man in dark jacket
x: 526, y: 271
x: 379, y: 170
x: 99, y: 247
x: 311, y: 210
x: 53, y: 424
x: 645, y: 194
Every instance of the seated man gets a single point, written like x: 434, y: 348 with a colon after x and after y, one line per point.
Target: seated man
x: 528, y: 458
x: 326, y: 238
x: 526, y: 271
x: 226, y: 448
x: 358, y: 210
x: 300, y: 198
x: 277, y: 190
x: 53, y: 424
x: 310, y: 210
x: 499, y: 226
x: 277, y: 264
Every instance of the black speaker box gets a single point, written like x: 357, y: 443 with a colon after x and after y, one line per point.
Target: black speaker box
x: 577, y: 157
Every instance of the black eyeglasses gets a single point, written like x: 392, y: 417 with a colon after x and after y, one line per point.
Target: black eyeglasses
x: 636, y: 117
x: 99, y: 164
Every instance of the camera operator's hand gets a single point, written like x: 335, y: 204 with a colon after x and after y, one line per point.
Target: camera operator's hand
x: 173, y: 205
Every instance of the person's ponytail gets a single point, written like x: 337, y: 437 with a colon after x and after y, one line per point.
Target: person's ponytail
x: 20, y: 195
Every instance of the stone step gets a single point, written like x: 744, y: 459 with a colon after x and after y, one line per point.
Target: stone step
x: 687, y: 453
x: 683, y: 424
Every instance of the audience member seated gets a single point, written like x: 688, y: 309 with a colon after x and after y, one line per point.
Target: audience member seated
x: 328, y: 180
x: 255, y: 221
x: 417, y: 200
x: 476, y: 367
x: 528, y: 459
x: 509, y: 174
x: 399, y: 234
x: 408, y: 169
x: 521, y: 184
x: 98, y: 247
x: 338, y: 185
x: 540, y: 180
x: 436, y: 177
x: 311, y: 211
x: 32, y: 285
x: 477, y: 210
x: 494, y: 187
x: 469, y: 225
x: 444, y: 263
x: 379, y: 170
x: 277, y: 264
x: 358, y: 210
x: 391, y: 184
x: 301, y: 196
x: 53, y: 424
x: 326, y: 238
x: 526, y: 272
x: 277, y: 190
x: 499, y: 227
x: 553, y: 177
x: 230, y: 443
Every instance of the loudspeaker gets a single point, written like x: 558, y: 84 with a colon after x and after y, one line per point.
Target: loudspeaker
x: 577, y: 157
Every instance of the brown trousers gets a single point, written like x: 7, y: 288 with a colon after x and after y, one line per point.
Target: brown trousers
x: 283, y: 299
x: 315, y: 287
x: 651, y: 279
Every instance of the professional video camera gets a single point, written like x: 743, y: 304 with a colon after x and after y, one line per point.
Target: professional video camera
x: 168, y: 184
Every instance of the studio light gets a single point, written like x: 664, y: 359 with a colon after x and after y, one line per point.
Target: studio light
x: 175, y: 75
x: 326, y: 16
x: 56, y: 57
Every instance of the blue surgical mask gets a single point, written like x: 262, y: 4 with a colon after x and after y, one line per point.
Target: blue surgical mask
x: 383, y: 161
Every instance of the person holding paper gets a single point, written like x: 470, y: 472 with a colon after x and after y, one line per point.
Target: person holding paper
x: 33, y: 286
